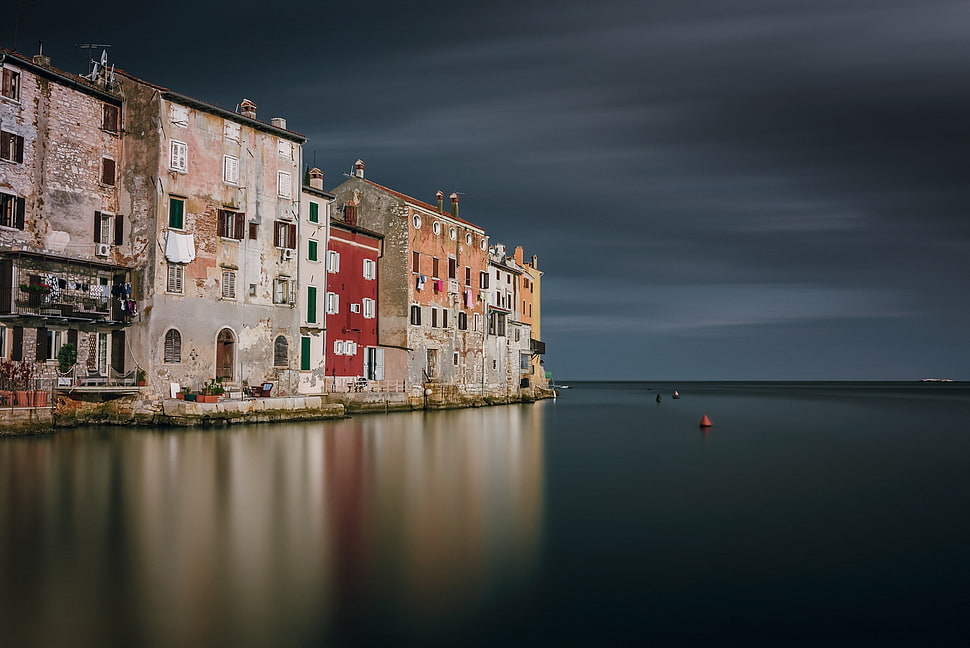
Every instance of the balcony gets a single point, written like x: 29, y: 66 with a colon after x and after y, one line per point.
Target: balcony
x: 538, y: 347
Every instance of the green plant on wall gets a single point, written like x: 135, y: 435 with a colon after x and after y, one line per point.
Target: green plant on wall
x: 66, y: 358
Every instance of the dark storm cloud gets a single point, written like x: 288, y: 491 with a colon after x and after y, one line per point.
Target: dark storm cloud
x: 786, y: 176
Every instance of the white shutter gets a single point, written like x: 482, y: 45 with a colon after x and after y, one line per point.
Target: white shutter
x: 179, y: 156
x: 230, y: 169
x: 283, y: 184
x: 231, y: 131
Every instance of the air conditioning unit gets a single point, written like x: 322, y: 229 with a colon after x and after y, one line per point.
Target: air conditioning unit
x: 287, y: 254
x: 103, y: 250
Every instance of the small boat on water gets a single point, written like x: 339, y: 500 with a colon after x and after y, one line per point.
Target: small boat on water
x: 676, y: 394
x: 935, y: 380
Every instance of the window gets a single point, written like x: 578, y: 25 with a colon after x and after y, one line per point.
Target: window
x: 478, y: 321
x: 415, y: 262
x: 355, y: 308
x: 416, y: 315
x: 11, y: 147
x: 173, y: 346
x: 228, y: 284
x: 333, y: 261
x: 52, y: 343
x: 374, y: 364
x: 284, y: 235
x: 284, y: 149
x: 110, y: 118
x: 12, y: 209
x: 305, y: 353
x: 311, y: 304
x: 284, y: 186
x: 253, y: 231
x: 444, y: 318
x: 370, y: 308
x: 462, y: 321
x: 483, y: 244
x: 454, y: 358
x: 10, y: 86
x: 468, y: 276
x: 333, y: 303
x: 434, y: 267
x: 468, y: 239
x: 281, y: 352
x: 452, y: 233
x: 436, y: 228
x: 370, y: 269
x: 178, y: 156
x: 179, y: 115
x: 107, y: 171
x: 282, y: 291
x: 104, y: 230
x: 314, y: 212
x: 452, y: 268
x: 311, y: 250
x: 417, y: 221
x: 176, y: 212
x: 525, y: 362
x: 232, y: 225
x: 483, y: 280
x: 434, y: 316
x: 230, y: 169
x: 176, y: 276
x: 496, y: 323
x: 230, y: 130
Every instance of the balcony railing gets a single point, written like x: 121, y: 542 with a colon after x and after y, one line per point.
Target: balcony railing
x: 63, y: 303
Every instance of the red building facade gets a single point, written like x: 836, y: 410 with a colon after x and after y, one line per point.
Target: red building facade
x: 350, y: 303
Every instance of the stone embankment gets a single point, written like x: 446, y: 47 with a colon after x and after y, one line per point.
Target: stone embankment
x: 136, y: 409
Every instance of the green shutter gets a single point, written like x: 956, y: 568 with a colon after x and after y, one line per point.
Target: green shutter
x: 314, y: 212
x: 176, y: 209
x: 312, y: 250
x: 305, y: 354
x: 311, y: 304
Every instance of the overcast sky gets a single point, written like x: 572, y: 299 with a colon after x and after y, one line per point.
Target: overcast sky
x: 715, y: 189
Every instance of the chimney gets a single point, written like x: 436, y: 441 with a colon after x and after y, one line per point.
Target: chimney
x: 440, y: 197
x: 316, y: 178
x: 359, y: 168
x: 39, y: 58
x: 518, y: 255
x: 247, y: 109
x: 535, y: 262
x: 279, y: 122
x: 454, y: 204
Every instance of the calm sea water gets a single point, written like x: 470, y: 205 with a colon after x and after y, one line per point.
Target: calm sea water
x: 808, y: 514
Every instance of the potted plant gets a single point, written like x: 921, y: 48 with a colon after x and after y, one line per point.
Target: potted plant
x: 142, y: 378
x: 24, y: 381
x: 8, y: 373
x: 211, y: 391
x: 66, y: 358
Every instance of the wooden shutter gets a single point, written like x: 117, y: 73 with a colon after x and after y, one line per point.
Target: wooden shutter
x: 97, y: 227
x: 314, y: 212
x: 5, y: 142
x: 72, y: 337
x: 452, y: 268
x: 17, y: 344
x: 240, y: 226
x: 311, y: 304
x: 291, y: 236
x: 107, y: 171
x: 305, y: 353
x: 119, y: 229
x: 41, y: 345
x: 223, y: 223
x: 109, y: 118
x: 20, y: 207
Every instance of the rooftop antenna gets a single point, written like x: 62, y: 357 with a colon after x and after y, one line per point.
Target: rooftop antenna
x: 91, y: 46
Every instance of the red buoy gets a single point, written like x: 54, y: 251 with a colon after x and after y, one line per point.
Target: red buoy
x: 705, y: 421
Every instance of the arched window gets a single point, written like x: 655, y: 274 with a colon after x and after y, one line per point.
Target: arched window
x: 173, y: 346
x: 280, y: 352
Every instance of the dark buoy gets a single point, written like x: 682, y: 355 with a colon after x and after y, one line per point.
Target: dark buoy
x: 705, y: 421
x: 676, y: 394
x: 659, y: 398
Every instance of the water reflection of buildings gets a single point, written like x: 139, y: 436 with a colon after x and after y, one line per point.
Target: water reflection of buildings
x: 268, y: 535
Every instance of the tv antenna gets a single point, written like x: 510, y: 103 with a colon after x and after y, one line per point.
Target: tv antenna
x: 92, y: 46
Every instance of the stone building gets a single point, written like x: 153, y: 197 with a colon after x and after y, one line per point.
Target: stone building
x: 430, y: 304
x: 530, y: 312
x: 507, y: 341
x: 218, y: 194
x: 67, y: 241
